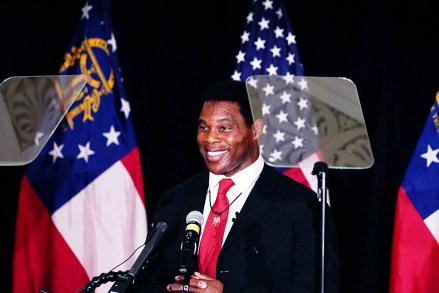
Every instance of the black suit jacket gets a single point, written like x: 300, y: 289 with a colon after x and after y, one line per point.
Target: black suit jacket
x: 273, y: 246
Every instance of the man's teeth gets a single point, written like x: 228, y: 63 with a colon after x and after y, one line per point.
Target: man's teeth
x: 216, y: 153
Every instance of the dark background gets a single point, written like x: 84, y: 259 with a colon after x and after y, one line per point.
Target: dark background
x: 170, y: 51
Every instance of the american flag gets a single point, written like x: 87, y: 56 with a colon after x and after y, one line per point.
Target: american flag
x: 81, y: 204
x: 415, y: 246
x: 268, y: 47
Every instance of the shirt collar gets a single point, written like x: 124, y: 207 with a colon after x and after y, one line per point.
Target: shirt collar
x: 244, y: 178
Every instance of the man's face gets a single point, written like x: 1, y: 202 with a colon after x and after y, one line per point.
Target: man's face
x: 225, y: 142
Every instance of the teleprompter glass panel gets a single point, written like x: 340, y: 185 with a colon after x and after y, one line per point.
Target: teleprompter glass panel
x: 31, y: 108
x: 309, y: 119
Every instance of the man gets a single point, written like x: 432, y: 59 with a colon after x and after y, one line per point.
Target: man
x: 271, y: 239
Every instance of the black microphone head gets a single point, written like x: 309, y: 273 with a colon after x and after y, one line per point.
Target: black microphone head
x: 195, y: 217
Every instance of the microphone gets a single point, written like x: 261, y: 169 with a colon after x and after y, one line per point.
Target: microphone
x: 236, y: 216
x: 189, y: 245
x: 167, y: 219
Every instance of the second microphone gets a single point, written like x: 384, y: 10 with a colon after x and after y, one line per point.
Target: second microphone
x: 189, y: 245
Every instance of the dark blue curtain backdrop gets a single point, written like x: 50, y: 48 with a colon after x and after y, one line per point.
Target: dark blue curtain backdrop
x: 170, y: 51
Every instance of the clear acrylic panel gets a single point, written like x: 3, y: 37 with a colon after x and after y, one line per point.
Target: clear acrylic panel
x: 31, y: 108
x: 310, y: 119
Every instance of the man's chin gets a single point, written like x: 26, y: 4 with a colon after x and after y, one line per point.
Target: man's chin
x: 215, y: 167
x: 219, y: 170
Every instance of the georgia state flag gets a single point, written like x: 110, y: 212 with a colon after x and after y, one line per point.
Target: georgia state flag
x: 81, y: 208
x: 415, y: 250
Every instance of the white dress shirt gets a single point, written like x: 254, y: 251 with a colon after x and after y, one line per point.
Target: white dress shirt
x: 237, y: 195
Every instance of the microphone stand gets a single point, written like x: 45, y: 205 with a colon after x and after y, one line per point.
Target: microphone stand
x: 321, y: 171
x: 124, y: 281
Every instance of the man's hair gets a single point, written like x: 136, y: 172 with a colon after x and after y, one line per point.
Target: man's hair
x: 231, y: 91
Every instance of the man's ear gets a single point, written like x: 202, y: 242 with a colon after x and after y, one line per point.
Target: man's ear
x: 258, y: 127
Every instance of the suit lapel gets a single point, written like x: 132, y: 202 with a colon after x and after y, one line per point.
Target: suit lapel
x: 194, y: 196
x: 257, y: 204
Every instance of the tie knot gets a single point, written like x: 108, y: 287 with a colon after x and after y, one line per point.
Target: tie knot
x: 222, y: 201
x: 224, y: 186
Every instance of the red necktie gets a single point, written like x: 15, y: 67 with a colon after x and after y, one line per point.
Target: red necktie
x: 212, y: 239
